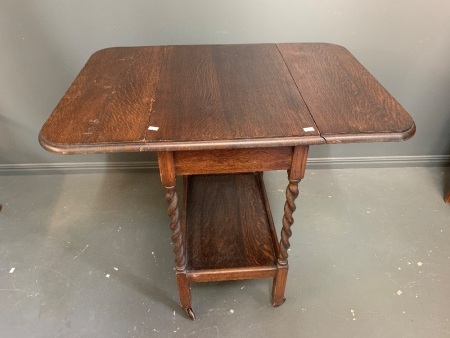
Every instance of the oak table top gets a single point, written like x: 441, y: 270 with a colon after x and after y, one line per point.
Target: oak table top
x: 169, y: 98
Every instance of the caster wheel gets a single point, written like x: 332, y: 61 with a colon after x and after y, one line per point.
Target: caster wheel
x: 190, y: 313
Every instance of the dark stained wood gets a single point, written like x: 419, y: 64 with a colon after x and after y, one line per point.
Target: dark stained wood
x: 236, y: 109
x: 227, y: 224
x: 184, y: 292
x: 222, y: 97
x: 167, y: 168
x: 233, y: 92
x: 273, y: 232
x: 167, y: 173
x: 346, y: 101
x: 279, y: 285
x: 298, y: 163
x: 109, y: 103
x: 168, y: 179
x: 295, y: 174
x: 232, y: 160
x: 219, y: 275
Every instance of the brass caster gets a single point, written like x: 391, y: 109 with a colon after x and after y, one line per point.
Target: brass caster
x: 190, y: 313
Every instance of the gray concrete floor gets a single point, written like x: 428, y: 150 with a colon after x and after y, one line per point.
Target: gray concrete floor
x: 89, y: 255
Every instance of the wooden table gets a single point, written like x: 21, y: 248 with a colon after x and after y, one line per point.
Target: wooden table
x: 220, y: 115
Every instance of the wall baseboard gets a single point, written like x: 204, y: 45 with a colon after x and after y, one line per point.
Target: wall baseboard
x: 380, y: 162
x: 72, y: 167
x: 313, y: 163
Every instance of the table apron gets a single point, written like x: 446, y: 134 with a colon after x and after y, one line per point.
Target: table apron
x: 195, y: 162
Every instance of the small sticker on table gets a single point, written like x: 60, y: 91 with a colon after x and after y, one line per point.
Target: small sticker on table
x: 307, y: 129
x: 153, y: 128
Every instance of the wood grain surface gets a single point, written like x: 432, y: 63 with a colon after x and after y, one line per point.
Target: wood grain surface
x: 346, y: 101
x: 232, y: 160
x: 109, y: 103
x: 222, y: 97
x: 232, y: 92
x: 227, y: 223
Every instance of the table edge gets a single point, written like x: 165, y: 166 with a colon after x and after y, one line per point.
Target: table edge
x: 223, y: 144
x: 368, y: 137
x: 176, y: 146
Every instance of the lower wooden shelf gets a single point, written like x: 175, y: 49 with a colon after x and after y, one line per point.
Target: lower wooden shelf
x: 229, y: 228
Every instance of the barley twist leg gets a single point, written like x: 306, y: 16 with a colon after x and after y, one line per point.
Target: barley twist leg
x: 288, y: 220
x: 177, y: 237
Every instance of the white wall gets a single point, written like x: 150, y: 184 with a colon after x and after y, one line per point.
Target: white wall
x: 44, y: 43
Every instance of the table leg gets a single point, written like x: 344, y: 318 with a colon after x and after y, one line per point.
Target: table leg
x: 279, y: 285
x: 295, y: 174
x: 168, y: 179
x: 288, y: 220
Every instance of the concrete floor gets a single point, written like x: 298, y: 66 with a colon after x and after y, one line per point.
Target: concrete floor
x: 89, y: 255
